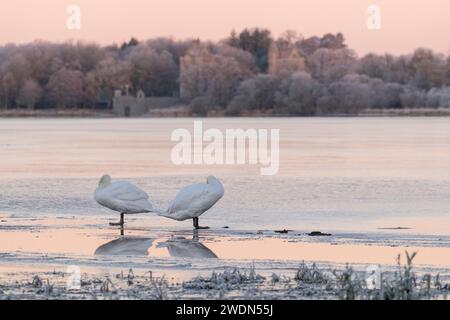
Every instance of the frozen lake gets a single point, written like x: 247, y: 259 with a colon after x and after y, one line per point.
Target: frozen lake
x: 336, y: 174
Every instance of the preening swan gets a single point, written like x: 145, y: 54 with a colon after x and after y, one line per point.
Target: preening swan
x: 123, y: 197
x: 194, y: 200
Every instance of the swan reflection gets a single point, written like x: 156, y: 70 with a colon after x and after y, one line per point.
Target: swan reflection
x: 179, y: 247
x: 185, y: 248
x: 126, y: 246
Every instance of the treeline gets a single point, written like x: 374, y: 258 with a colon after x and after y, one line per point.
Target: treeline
x: 236, y: 78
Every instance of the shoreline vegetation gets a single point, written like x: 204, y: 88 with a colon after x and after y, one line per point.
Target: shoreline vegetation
x: 308, y: 281
x: 247, y: 73
x: 165, y: 263
x: 185, y: 112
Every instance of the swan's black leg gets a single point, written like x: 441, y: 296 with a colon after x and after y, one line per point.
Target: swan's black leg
x: 196, y: 225
x: 120, y: 223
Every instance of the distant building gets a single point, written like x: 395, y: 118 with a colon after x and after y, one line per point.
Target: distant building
x: 285, y: 58
x: 193, y: 65
x: 130, y: 106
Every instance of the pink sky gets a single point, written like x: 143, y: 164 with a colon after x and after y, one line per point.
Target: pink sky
x: 406, y: 24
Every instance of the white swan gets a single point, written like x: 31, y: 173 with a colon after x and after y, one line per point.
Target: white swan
x: 123, y: 197
x: 194, y: 200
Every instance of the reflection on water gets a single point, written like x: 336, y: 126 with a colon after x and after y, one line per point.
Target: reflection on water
x: 179, y: 247
x: 127, y: 246
x: 184, y: 248
x: 79, y: 240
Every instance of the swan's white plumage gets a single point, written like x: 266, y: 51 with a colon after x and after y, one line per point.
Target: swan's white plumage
x: 123, y: 197
x: 192, y: 201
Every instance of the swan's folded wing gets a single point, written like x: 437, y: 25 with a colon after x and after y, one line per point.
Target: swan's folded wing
x: 195, y: 198
x: 125, y: 191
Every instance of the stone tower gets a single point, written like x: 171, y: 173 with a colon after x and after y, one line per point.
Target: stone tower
x: 285, y: 60
x: 273, y: 58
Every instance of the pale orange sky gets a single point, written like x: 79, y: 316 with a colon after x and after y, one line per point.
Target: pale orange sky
x: 406, y: 24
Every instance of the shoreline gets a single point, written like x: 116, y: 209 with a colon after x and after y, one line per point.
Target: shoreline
x: 158, y: 260
x: 235, y: 281
x: 307, y: 281
x: 183, y: 112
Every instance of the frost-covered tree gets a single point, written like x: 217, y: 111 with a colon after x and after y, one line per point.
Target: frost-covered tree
x: 227, y: 74
x: 65, y: 88
x: 8, y: 88
x: 328, y: 41
x: 108, y: 76
x: 245, y: 59
x: 428, y: 69
x: 329, y: 65
x: 13, y: 74
x: 412, y: 97
x: 259, y: 93
x: 153, y: 72
x: 385, y: 94
x: 348, y: 95
x: 234, y: 75
x: 30, y: 93
x: 438, y: 97
x: 373, y: 65
x: 217, y: 76
x: 298, y: 95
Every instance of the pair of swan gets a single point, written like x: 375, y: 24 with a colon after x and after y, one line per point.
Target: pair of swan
x: 191, y: 202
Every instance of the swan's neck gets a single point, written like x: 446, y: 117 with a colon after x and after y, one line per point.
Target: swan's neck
x: 103, y: 185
